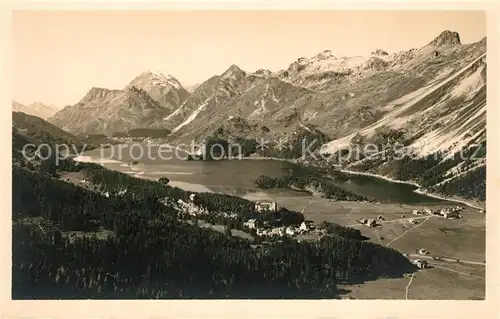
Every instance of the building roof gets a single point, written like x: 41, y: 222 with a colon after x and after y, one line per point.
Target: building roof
x: 265, y: 201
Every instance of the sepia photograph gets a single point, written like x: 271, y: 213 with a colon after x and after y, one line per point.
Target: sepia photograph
x: 246, y: 154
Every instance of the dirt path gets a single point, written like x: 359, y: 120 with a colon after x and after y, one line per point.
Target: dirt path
x: 458, y: 272
x: 408, y: 286
x: 403, y: 234
x: 304, y: 209
x: 448, y: 259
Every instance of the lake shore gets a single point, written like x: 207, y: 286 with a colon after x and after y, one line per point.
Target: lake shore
x: 195, y: 187
x: 419, y: 190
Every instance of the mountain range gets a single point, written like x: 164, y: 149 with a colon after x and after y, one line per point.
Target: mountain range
x: 37, y: 109
x: 433, y: 98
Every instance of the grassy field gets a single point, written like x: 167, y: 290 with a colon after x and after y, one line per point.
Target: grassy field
x: 460, y: 238
x: 442, y: 282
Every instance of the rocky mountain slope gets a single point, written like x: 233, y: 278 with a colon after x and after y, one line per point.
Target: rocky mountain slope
x: 210, y: 96
x: 432, y: 99
x: 338, y: 95
x: 440, y: 127
x: 142, y: 103
x: 37, y: 109
x: 166, y: 90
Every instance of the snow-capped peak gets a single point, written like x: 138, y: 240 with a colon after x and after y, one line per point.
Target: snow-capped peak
x: 326, y: 61
x: 160, y: 79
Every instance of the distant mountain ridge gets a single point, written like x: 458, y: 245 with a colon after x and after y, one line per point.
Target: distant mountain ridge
x: 433, y: 97
x: 37, y: 109
x: 142, y: 103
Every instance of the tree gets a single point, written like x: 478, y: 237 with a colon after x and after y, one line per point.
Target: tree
x: 264, y: 181
x: 227, y: 231
x: 164, y: 180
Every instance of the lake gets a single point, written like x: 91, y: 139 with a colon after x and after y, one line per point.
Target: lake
x: 235, y: 177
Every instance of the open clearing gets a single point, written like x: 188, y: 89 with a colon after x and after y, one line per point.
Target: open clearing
x: 434, y: 283
x: 453, y: 238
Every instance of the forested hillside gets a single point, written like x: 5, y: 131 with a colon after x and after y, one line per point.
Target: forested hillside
x: 121, y: 237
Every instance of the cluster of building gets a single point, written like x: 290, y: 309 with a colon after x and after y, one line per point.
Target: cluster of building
x: 422, y: 264
x: 414, y: 221
x: 266, y: 230
x: 266, y: 205
x: 453, y: 213
x: 369, y: 222
x: 423, y: 251
x: 261, y: 228
x: 421, y: 212
x: 192, y: 209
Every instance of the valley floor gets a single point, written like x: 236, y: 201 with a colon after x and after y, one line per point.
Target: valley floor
x: 462, y: 239
x: 451, y: 239
x: 443, y: 282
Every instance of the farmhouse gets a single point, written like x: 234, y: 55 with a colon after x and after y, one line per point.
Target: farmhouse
x: 290, y: 231
x: 262, y: 231
x: 420, y: 263
x: 446, y: 213
x: 280, y: 231
x: 371, y: 223
x: 304, y: 227
x: 250, y: 223
x: 266, y: 205
x: 422, y: 251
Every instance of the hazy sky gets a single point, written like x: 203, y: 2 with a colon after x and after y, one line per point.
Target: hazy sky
x: 59, y: 55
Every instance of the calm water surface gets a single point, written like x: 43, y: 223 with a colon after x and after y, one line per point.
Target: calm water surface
x: 237, y: 177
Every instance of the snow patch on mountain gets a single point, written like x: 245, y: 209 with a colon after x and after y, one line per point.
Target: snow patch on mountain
x: 470, y: 85
x: 454, y: 172
x: 193, y: 115
x: 448, y: 138
x: 175, y: 113
x: 327, y: 62
x: 160, y: 79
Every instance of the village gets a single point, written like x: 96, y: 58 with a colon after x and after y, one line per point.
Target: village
x: 252, y: 225
x: 259, y: 227
x: 447, y: 213
x: 264, y: 229
x: 191, y: 209
x: 420, y: 258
